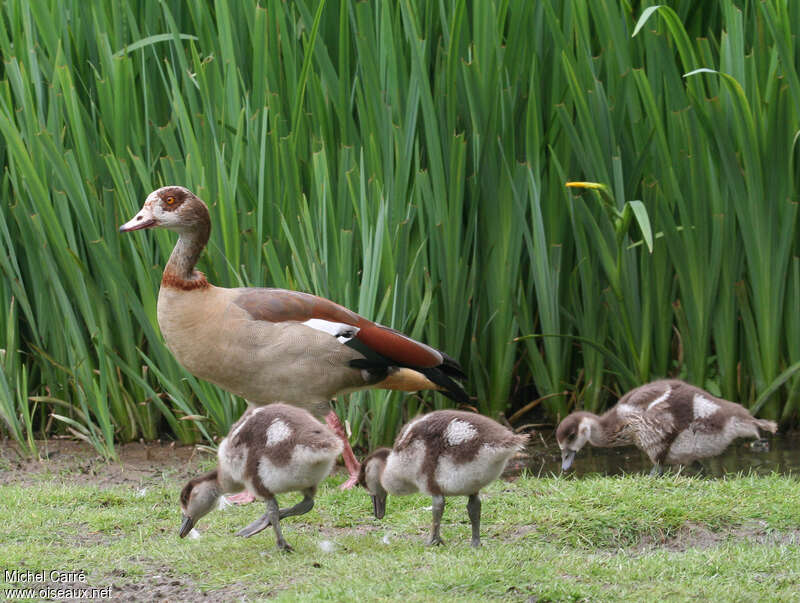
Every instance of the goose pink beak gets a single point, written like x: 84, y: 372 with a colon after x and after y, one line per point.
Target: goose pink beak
x: 144, y: 219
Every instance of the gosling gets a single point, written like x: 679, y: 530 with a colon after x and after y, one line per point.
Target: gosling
x: 671, y: 421
x: 269, y: 450
x: 443, y: 453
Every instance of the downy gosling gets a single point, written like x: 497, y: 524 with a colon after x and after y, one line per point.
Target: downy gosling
x: 269, y: 450
x: 443, y: 453
x: 671, y: 421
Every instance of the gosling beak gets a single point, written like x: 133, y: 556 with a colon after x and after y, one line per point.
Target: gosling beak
x: 379, y: 505
x: 567, y: 456
x: 186, y: 526
x: 144, y: 219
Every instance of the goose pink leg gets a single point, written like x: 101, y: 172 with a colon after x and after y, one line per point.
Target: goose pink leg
x: 350, y: 461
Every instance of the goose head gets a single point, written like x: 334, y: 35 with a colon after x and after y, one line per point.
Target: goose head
x: 198, y: 497
x: 370, y: 477
x: 172, y: 207
x: 572, y: 434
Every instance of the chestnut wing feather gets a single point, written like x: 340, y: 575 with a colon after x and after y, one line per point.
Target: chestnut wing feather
x: 279, y: 305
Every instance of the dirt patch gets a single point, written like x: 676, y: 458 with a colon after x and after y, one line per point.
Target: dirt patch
x: 158, y: 588
x: 522, y: 530
x: 696, y: 536
x: 161, y: 584
x: 79, y: 463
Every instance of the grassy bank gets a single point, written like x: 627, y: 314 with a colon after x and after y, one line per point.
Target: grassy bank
x: 599, y: 538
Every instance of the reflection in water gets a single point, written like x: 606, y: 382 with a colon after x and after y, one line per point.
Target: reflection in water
x: 782, y: 456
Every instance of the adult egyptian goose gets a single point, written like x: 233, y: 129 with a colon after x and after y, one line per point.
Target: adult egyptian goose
x: 443, y: 453
x: 270, y: 345
x: 269, y: 450
x: 673, y: 422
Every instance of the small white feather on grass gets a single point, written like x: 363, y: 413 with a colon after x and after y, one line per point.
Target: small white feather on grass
x: 327, y: 546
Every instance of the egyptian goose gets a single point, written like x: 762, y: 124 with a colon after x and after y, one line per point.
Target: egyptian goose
x: 269, y: 450
x: 270, y: 345
x: 443, y: 453
x: 673, y: 422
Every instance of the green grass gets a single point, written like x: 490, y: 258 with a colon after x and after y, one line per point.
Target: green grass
x: 632, y: 537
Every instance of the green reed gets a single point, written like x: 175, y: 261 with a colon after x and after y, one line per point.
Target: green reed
x: 407, y: 160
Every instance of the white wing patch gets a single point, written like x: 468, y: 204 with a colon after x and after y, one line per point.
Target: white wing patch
x: 242, y: 424
x: 660, y: 399
x: 407, y: 429
x: 343, y: 332
x: 278, y: 431
x: 624, y: 410
x: 459, y: 431
x: 703, y: 407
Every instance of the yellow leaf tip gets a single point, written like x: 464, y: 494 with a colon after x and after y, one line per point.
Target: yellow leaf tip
x: 584, y: 185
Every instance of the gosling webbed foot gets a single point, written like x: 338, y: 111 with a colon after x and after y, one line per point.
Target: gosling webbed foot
x: 254, y: 528
x: 285, y: 547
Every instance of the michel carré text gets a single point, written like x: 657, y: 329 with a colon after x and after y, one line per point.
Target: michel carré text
x: 13, y: 576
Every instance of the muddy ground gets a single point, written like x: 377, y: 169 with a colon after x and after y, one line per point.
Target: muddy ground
x: 138, y: 463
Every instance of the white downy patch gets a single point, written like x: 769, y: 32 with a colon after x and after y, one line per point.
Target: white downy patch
x: 461, y: 479
x: 307, y: 468
x: 343, y: 332
x: 623, y: 410
x: 277, y: 432
x: 660, y: 399
x: 459, y: 431
x: 402, y: 474
x: 703, y: 407
x: 232, y: 459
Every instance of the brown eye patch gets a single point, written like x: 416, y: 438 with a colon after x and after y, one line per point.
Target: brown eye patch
x: 171, y: 203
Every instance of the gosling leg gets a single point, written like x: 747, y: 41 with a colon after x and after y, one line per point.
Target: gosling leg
x: 255, y: 527
x: 474, y: 512
x: 438, y: 510
x: 657, y: 470
x: 304, y: 506
x: 274, y: 514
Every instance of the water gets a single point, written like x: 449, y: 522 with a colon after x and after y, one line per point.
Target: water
x: 782, y: 455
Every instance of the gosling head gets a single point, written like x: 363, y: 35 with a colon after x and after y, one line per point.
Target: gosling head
x: 370, y: 477
x: 173, y: 207
x: 572, y: 434
x: 198, y: 497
